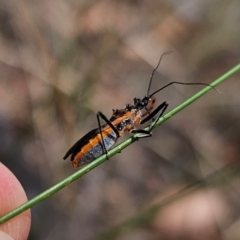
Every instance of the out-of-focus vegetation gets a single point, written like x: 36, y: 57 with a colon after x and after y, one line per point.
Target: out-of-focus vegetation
x: 62, y: 61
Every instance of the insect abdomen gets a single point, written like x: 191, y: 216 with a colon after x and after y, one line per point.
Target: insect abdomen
x: 94, y: 149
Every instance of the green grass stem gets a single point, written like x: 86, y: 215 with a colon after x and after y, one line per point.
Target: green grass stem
x: 49, y: 192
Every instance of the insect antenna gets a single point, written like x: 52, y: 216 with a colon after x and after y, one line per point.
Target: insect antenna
x: 182, y: 83
x: 154, y: 70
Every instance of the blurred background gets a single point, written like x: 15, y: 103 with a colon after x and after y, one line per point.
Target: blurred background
x: 62, y: 61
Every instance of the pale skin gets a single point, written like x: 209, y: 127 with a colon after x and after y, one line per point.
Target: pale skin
x: 13, y: 195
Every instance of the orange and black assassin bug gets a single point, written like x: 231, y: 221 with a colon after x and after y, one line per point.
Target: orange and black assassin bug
x: 101, y: 139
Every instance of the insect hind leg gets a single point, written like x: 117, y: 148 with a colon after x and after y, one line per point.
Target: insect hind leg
x: 103, y: 117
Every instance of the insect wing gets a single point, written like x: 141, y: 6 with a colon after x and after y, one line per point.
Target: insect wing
x: 93, y: 147
x: 80, y: 143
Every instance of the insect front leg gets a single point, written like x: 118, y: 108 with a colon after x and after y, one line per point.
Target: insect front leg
x: 162, y: 107
x: 145, y: 133
x: 148, y: 133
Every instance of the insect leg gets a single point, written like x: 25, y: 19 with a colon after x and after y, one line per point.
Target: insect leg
x: 148, y: 133
x: 101, y: 115
x: 162, y: 107
x: 145, y: 133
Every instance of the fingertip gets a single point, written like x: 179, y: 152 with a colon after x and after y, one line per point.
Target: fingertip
x: 4, y: 236
x: 12, y: 195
